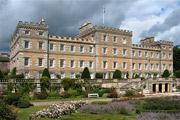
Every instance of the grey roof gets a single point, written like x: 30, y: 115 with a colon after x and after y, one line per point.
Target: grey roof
x: 4, y: 59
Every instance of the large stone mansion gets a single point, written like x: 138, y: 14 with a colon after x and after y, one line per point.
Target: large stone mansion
x: 101, y: 49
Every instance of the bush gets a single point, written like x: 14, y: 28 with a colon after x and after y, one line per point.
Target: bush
x: 101, y: 93
x: 166, y: 73
x: 129, y: 93
x: 13, y: 71
x: 23, y: 104
x: 117, y: 74
x: 1, y: 74
x: 46, y: 73
x: 19, y: 76
x: 45, y: 83
x: 84, y: 94
x: 100, y: 102
x: 113, y: 95
x: 99, y: 75
x: 79, y: 91
x: 177, y: 73
x: 109, y: 90
x: 142, y: 78
x: 67, y: 83
x: 25, y: 87
x: 5, y: 112
x: 77, y: 76
x: 40, y: 95
x: 53, y: 94
x: 12, y: 99
x: 85, y: 74
x: 65, y: 95
x: 105, y: 95
x: 73, y: 92
x: 55, y: 87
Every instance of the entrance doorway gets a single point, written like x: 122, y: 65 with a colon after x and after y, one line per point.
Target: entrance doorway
x: 160, y: 87
x: 166, y: 87
x: 154, y: 88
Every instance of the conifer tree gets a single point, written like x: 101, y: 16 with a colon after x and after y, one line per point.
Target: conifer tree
x: 1, y: 74
x: 46, y: 73
x: 117, y: 74
x: 166, y: 73
x: 85, y: 73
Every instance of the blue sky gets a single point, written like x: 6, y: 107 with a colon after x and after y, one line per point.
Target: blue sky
x: 146, y: 18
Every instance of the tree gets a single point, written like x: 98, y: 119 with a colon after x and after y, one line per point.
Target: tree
x: 177, y: 73
x: 14, y: 71
x: 67, y: 83
x: 176, y: 58
x: 46, y: 73
x: 1, y: 74
x: 166, y: 73
x: 99, y: 75
x: 86, y: 74
x: 117, y: 74
x: 45, y: 83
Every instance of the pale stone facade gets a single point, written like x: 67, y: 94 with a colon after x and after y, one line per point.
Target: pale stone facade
x: 101, y: 49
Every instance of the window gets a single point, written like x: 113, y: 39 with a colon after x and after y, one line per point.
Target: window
x: 51, y: 46
x: 26, y: 44
x: 72, y: 48
x: 105, y: 38
x: 164, y: 55
x: 170, y: 67
x: 140, y: 66
x: 124, y: 51
x: 133, y: 53
x: 27, y: 32
x: 157, y: 66
x: 146, y: 67
x: 91, y: 49
x: 133, y: 66
x: 40, y: 45
x: 157, y: 55
x: 52, y: 75
x: 81, y: 63
x: 72, y: 75
x: 170, y: 56
x: 164, y: 66
x: 114, y: 51
x: 62, y: 63
x: 140, y: 53
x: 90, y: 64
x: 104, y: 50
x: 72, y: 63
x: 146, y: 54
x: 114, y: 64
x: 92, y: 37
x: 26, y: 61
x: 124, y: 40
x: 152, y: 55
x: 40, y: 62
x: 91, y: 74
x: 104, y: 64
x: 51, y: 63
x: 152, y: 66
x: 26, y: 75
x: 164, y: 47
x: 40, y: 33
x: 81, y: 48
x: 115, y: 39
x: 124, y: 65
x: 170, y: 48
x: 62, y: 75
x: 62, y: 47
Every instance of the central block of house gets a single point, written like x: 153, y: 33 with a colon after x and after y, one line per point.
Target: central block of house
x: 101, y: 49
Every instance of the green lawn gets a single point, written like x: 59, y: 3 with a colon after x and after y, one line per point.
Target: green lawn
x: 25, y: 112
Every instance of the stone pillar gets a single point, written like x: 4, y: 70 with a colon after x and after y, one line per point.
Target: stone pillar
x: 170, y: 87
x: 163, y: 87
x: 157, y: 87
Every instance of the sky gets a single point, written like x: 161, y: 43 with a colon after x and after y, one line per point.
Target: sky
x: 146, y: 18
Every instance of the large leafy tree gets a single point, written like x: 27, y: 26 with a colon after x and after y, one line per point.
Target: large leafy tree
x: 86, y: 73
x: 176, y: 58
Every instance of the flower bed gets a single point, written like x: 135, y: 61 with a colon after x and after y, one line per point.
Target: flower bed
x: 59, y: 109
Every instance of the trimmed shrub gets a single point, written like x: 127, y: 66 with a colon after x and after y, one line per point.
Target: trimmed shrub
x: 166, y: 73
x: 46, y: 73
x: 5, y: 112
x: 53, y: 94
x: 40, y: 95
x: 177, y: 73
x: 129, y: 93
x: 55, y: 87
x: 73, y: 93
x: 99, y: 75
x: 84, y: 94
x: 113, y: 95
x: 117, y: 74
x: 85, y: 74
x: 77, y: 76
x: 66, y: 83
x: 1, y: 74
x: 127, y: 75
x: 136, y: 76
x: 45, y: 83
x: 12, y: 99
x: 23, y: 104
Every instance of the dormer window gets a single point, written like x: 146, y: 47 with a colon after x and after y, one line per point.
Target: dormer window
x: 40, y: 33
x: 27, y: 32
